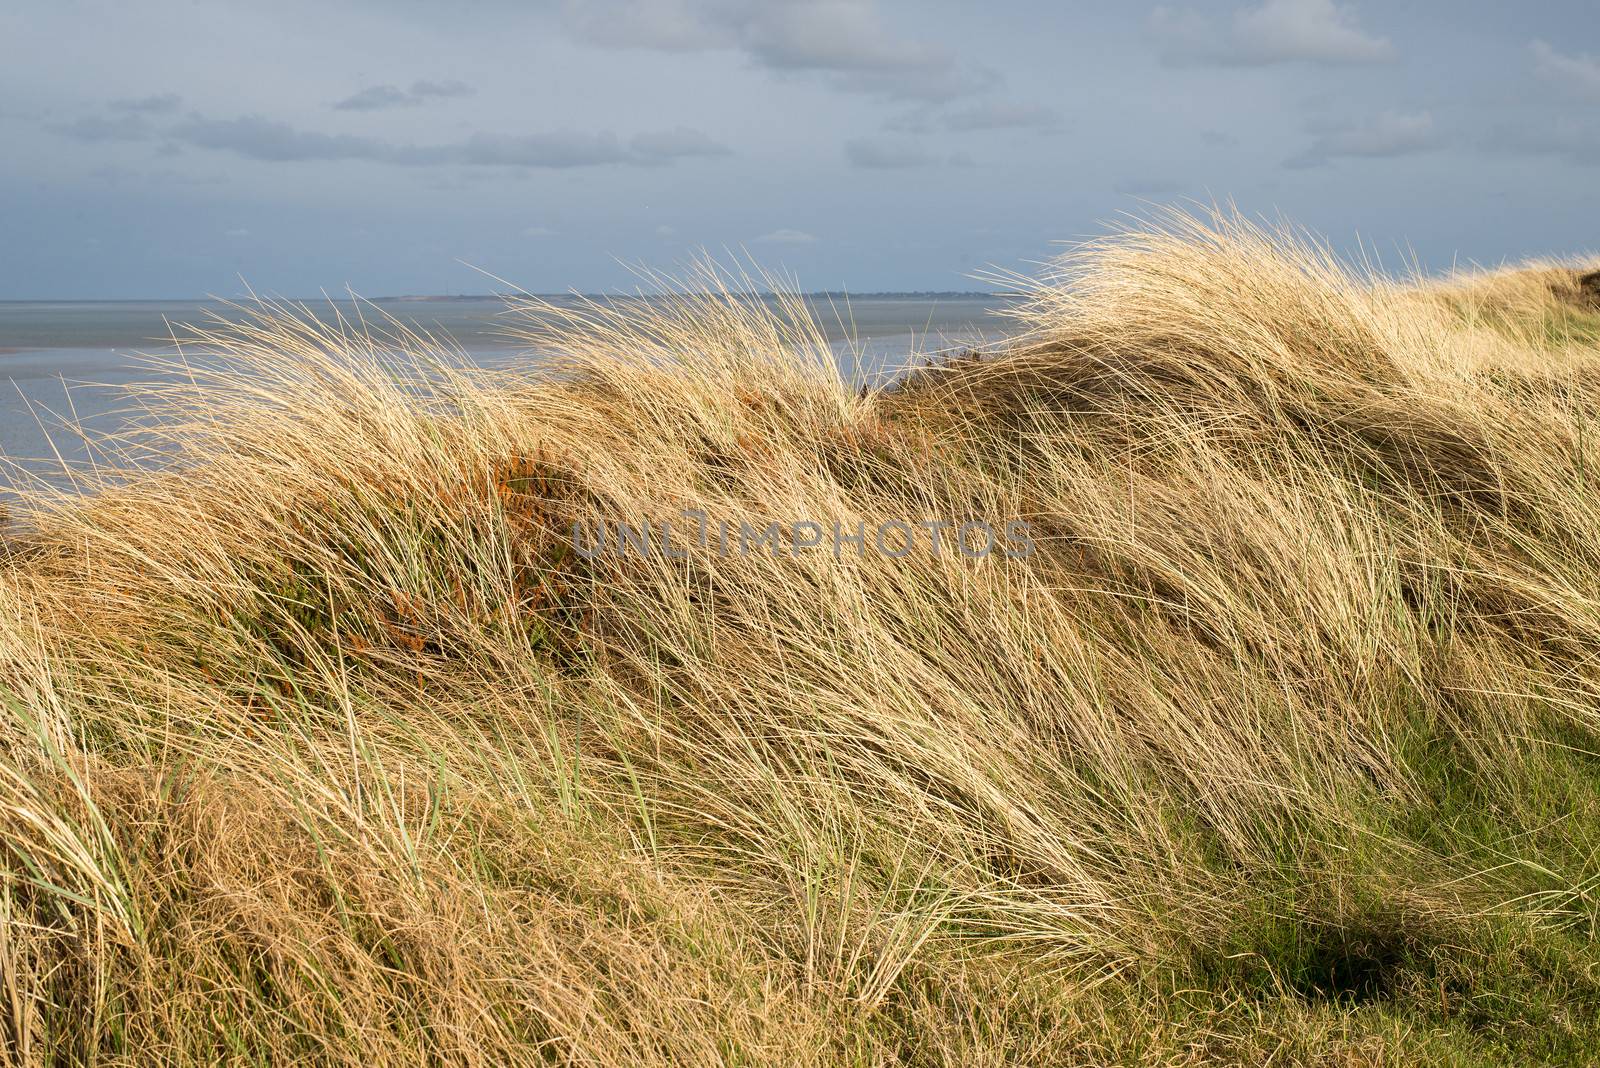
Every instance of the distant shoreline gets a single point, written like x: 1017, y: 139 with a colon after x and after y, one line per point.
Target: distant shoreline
x: 832, y: 294
x: 419, y: 298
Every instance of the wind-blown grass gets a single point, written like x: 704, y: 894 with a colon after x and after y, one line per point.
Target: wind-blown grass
x: 323, y: 744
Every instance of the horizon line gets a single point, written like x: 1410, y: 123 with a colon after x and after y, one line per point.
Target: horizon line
x: 510, y: 295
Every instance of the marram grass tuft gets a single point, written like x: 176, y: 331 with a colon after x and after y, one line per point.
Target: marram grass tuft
x: 324, y: 743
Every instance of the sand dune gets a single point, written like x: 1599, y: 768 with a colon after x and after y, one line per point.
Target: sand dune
x: 1281, y: 743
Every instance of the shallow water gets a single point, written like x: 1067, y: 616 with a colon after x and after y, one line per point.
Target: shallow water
x: 63, y: 363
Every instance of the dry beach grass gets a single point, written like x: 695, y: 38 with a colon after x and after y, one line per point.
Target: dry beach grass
x: 1281, y: 747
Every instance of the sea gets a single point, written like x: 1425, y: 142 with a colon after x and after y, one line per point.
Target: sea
x: 65, y: 365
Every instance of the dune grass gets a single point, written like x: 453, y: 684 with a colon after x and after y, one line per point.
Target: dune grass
x: 324, y: 745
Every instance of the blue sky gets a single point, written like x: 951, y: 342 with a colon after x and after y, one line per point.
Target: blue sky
x: 175, y: 149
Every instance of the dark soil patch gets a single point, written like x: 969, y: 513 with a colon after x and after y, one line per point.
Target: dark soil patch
x: 1589, y: 288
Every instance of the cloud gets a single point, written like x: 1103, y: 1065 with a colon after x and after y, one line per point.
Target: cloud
x: 236, y: 232
x: 679, y: 143
x: 934, y: 82
x: 1002, y: 115
x: 557, y: 150
x: 264, y: 139
x: 537, y: 231
x: 380, y: 97
x: 1579, y: 74
x: 888, y: 154
x: 844, y: 40
x: 270, y: 141
x: 664, y: 231
x: 1390, y: 134
x: 161, y: 104
x: 787, y: 237
x: 1278, y: 31
x: 129, y: 120
x: 375, y: 98
x: 125, y: 127
x: 441, y: 90
x: 1575, y: 139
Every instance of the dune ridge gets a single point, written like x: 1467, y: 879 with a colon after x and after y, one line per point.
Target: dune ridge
x: 1280, y: 745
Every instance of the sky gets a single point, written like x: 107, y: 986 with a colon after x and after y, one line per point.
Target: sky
x: 179, y: 148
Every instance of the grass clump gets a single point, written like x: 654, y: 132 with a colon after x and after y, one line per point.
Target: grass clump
x: 325, y: 743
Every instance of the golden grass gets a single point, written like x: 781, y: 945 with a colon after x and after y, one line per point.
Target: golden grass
x: 324, y: 746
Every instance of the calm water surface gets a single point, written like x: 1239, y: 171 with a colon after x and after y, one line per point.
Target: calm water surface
x: 62, y: 362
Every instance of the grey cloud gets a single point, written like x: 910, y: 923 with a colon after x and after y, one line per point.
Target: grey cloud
x: 264, y: 139
x: 442, y: 90
x: 1278, y: 31
x: 936, y: 82
x: 160, y: 104
x: 679, y: 143
x: 787, y: 237
x: 381, y: 97
x: 1575, y: 139
x: 1390, y: 134
x: 125, y: 127
x: 375, y: 98
x: 1553, y: 131
x: 270, y: 141
x: 1002, y: 115
x: 843, y: 39
x: 1579, y: 74
x: 557, y: 150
